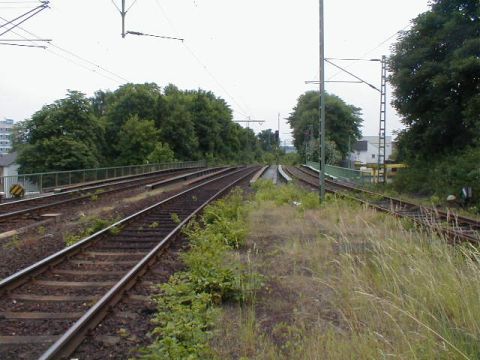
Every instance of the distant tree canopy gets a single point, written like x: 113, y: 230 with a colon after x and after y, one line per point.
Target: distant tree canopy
x: 137, y: 123
x: 268, y: 140
x: 343, y: 123
x: 436, y: 76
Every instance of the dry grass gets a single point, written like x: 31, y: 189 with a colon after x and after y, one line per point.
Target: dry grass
x: 344, y: 282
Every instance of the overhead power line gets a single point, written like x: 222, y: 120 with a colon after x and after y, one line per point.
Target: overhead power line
x: 240, y: 108
x: 368, y: 52
x: 92, y: 66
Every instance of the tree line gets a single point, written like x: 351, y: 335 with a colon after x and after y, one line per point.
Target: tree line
x: 135, y: 124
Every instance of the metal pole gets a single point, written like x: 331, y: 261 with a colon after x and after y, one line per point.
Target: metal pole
x: 322, y: 103
x: 123, y: 13
x: 382, y: 133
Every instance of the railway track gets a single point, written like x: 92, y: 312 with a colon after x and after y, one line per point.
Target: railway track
x: 28, y: 212
x: 455, y: 227
x: 47, y: 309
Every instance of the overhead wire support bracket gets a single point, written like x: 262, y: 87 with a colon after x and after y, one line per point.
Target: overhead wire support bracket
x: 137, y: 33
x: 24, y: 17
x: 352, y: 74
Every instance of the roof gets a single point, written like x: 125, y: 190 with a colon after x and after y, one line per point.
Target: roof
x: 8, y: 159
x: 361, y: 145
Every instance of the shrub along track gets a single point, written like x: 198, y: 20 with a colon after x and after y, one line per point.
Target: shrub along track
x: 67, y: 294
x: 30, y: 212
x: 455, y: 228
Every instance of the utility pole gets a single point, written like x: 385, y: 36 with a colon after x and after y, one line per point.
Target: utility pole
x: 322, y: 103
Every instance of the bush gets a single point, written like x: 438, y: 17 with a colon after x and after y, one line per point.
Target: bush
x: 443, y: 177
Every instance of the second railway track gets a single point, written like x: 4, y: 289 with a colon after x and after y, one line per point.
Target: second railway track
x: 14, y: 215
x: 456, y: 228
x: 47, y: 309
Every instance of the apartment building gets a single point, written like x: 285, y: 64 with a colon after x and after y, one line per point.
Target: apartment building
x: 5, y: 136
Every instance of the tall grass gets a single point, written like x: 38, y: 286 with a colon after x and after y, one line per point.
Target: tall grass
x: 355, y: 284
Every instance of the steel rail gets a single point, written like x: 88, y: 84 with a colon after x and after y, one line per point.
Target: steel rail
x: 419, y: 214
x: 130, y: 184
x: 103, y: 184
x: 93, y: 185
x: 19, y: 278
x: 65, y: 346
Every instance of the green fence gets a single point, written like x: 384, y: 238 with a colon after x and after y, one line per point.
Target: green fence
x: 35, y: 184
x: 340, y: 173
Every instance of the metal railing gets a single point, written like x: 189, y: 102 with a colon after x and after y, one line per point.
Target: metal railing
x: 39, y: 183
x: 350, y: 175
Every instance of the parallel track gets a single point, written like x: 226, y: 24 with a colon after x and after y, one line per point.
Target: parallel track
x: 47, y: 309
x: 456, y: 228
x: 14, y: 215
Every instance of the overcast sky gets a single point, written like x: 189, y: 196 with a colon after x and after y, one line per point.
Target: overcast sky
x: 256, y: 54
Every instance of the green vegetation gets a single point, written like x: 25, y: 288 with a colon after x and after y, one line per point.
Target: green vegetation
x: 342, y: 279
x: 343, y: 123
x: 443, y: 177
x: 188, y: 303
x: 136, y: 124
x: 435, y: 73
x: 90, y: 225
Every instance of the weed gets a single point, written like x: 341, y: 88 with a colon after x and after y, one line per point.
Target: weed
x: 186, y: 305
x: 14, y: 243
x: 41, y: 230
x: 175, y: 218
x: 115, y: 230
x: 71, y: 239
x: 154, y: 225
x: 91, y: 226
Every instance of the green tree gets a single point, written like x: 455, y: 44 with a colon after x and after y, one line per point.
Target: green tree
x: 343, y: 123
x: 141, y: 100
x: 436, y: 76
x: 137, y: 141
x: 268, y: 140
x: 178, y: 128
x: 161, y: 154
x: 64, y: 135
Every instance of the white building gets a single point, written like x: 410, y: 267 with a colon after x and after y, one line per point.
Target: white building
x: 365, y: 151
x: 8, y: 165
x: 5, y: 136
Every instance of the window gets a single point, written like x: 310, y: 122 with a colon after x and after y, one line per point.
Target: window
x: 373, y: 156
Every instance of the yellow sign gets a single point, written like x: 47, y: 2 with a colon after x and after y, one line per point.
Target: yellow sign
x: 17, y: 190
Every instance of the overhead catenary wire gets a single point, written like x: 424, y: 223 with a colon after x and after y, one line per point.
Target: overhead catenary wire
x: 372, y: 50
x: 100, y: 70
x: 240, y: 108
x: 24, y: 45
x: 34, y: 11
x: 352, y: 74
